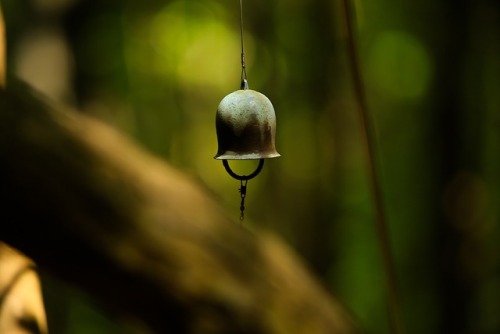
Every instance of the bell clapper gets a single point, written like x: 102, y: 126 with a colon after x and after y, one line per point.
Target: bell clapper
x: 243, y: 183
x: 243, y: 193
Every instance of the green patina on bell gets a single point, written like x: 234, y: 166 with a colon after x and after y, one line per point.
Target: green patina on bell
x: 246, y: 126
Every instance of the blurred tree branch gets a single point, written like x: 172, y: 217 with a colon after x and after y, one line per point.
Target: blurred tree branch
x: 90, y: 206
x: 3, y: 52
x: 21, y: 305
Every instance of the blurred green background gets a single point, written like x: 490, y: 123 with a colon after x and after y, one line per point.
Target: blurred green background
x: 157, y: 70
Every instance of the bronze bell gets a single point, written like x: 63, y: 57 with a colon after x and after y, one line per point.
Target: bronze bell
x: 246, y: 126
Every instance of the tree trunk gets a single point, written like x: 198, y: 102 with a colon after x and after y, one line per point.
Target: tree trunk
x: 90, y: 206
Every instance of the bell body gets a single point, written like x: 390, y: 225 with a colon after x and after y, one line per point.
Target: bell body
x: 246, y: 126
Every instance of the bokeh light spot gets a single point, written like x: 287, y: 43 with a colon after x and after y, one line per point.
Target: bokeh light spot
x: 399, y: 65
x: 194, y: 45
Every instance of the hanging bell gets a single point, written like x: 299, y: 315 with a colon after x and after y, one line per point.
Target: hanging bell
x: 246, y: 126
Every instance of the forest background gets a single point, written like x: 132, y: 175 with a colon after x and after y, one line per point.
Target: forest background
x: 157, y: 70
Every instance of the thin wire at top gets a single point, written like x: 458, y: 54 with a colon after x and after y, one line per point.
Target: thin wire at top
x: 243, y: 66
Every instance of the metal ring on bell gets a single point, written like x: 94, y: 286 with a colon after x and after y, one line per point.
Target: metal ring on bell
x: 243, y: 177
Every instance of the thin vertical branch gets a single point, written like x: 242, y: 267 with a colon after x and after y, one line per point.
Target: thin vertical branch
x: 368, y: 139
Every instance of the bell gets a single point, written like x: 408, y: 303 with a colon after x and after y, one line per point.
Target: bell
x: 246, y: 126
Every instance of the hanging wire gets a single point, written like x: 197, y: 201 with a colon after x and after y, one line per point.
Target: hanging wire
x: 244, y: 82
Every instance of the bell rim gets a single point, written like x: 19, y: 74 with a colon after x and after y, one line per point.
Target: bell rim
x: 246, y: 156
